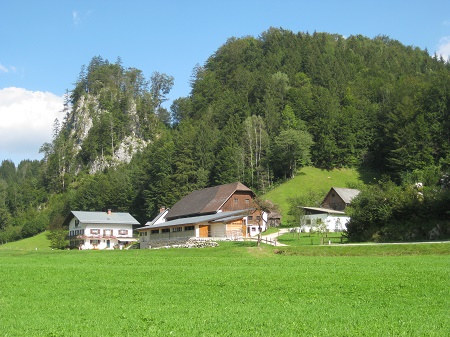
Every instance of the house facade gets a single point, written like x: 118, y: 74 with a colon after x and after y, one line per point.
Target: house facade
x: 335, y: 221
x: 100, y: 230
x: 332, y: 211
x: 221, y: 212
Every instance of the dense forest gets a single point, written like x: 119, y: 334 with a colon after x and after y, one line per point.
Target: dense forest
x: 259, y: 109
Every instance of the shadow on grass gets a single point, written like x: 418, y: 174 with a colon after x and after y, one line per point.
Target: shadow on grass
x: 238, y: 243
x: 368, y: 176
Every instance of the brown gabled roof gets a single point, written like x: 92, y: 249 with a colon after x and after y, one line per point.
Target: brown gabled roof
x: 346, y: 194
x: 206, y: 201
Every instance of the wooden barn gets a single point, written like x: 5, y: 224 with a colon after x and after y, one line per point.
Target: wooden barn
x: 221, y: 212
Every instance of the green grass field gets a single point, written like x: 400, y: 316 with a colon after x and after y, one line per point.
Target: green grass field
x: 236, y: 289
x: 38, y: 242
x: 303, y: 239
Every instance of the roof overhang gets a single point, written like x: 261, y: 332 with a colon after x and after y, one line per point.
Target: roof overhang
x: 323, y: 210
x: 211, y: 218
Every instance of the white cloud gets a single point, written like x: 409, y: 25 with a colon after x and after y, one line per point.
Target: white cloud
x: 75, y: 17
x: 444, y: 48
x: 3, y: 69
x: 26, y: 121
x: 78, y: 17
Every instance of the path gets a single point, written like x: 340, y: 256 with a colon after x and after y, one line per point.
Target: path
x: 272, y: 238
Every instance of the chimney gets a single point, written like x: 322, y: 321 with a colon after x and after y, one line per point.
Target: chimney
x: 109, y: 211
x: 162, y: 209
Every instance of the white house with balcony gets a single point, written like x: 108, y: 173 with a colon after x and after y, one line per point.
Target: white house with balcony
x: 100, y: 230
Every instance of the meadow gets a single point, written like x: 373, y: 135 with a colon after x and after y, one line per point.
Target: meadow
x: 236, y: 289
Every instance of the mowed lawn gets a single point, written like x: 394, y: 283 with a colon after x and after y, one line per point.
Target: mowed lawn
x: 235, y: 289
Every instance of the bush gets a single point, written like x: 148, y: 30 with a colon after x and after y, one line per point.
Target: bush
x: 386, y: 212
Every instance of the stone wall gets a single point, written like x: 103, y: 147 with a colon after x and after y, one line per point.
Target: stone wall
x: 180, y: 243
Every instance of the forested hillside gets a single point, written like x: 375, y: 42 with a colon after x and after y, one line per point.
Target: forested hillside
x: 260, y: 108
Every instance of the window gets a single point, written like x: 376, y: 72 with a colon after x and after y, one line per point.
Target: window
x: 165, y: 230
x: 253, y: 229
x: 77, y: 222
x: 236, y: 200
x: 189, y: 228
x: 258, y: 218
x: 95, y: 231
x: 247, y: 201
x: 123, y: 231
x: 155, y: 231
x: 177, y: 229
x: 107, y: 232
x: 95, y: 242
x: 142, y: 233
x: 250, y: 217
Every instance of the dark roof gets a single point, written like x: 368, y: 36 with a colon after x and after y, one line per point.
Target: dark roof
x: 274, y: 215
x: 206, y: 201
x: 323, y: 210
x: 346, y: 194
x: 217, y: 217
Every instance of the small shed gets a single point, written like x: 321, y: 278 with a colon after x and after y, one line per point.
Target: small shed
x: 339, y: 198
x: 274, y: 219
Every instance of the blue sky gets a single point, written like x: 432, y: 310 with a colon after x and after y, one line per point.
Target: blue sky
x: 45, y: 43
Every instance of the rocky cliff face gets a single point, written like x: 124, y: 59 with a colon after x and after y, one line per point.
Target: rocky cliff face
x: 129, y: 146
x: 88, y: 113
x: 81, y: 121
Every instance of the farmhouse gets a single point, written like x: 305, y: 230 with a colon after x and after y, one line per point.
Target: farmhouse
x: 100, y: 230
x: 220, y: 212
x: 332, y: 210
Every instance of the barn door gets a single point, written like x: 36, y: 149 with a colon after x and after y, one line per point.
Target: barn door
x: 204, y: 231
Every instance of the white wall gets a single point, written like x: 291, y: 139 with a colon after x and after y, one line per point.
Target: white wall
x: 334, y: 223
x: 84, y: 230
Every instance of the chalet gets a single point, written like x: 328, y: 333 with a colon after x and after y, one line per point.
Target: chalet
x: 332, y: 210
x: 220, y: 212
x: 339, y: 198
x: 100, y: 230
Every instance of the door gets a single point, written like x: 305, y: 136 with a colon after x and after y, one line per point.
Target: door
x: 108, y: 243
x: 204, y: 231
